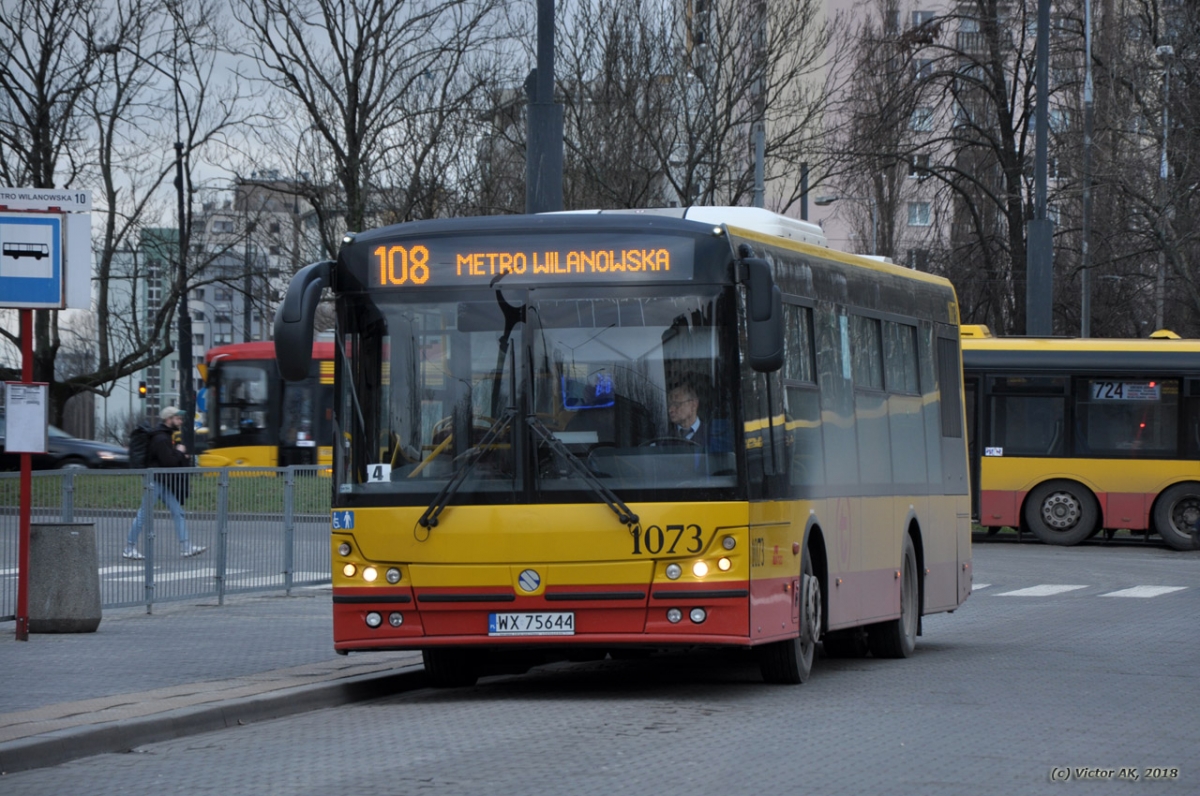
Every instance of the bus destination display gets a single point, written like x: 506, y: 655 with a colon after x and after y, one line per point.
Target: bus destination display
x: 1126, y: 391
x: 548, y: 259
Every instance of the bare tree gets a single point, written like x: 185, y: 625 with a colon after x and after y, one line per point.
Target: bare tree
x: 663, y: 100
x: 48, y: 58
x: 381, y: 87
x: 131, y: 67
x: 1145, y: 236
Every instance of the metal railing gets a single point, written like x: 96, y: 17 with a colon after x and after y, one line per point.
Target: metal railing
x: 262, y: 529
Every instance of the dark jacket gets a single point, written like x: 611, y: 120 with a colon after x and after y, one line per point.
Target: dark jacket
x: 699, y: 437
x: 161, y: 453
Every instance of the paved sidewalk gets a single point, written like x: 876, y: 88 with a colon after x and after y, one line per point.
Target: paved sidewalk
x: 189, y: 667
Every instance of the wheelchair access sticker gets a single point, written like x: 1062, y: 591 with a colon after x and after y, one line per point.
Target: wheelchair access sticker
x: 343, y: 520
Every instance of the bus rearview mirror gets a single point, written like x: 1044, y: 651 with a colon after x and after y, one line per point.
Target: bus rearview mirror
x: 764, y: 316
x: 294, y: 321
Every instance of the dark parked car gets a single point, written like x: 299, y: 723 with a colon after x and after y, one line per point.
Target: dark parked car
x: 65, y: 452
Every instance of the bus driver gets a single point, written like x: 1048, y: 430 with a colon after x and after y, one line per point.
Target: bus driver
x: 683, y: 407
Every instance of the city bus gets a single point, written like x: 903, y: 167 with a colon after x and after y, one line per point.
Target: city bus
x: 253, y: 418
x: 1069, y: 437
x: 507, y: 483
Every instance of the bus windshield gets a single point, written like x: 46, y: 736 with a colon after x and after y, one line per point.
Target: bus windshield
x: 243, y: 402
x: 637, y: 388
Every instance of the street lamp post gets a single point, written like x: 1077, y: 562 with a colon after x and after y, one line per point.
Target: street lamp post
x: 825, y: 201
x: 1085, y: 271
x: 1165, y: 52
x: 186, y: 396
x: 247, y: 288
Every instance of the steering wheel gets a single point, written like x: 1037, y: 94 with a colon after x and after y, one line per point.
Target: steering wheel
x: 668, y: 442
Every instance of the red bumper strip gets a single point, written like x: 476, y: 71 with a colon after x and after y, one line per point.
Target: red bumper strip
x: 466, y: 598
x: 709, y: 594
x: 370, y: 598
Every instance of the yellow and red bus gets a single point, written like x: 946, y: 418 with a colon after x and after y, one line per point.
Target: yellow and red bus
x: 1070, y: 437
x: 510, y: 479
x: 253, y: 418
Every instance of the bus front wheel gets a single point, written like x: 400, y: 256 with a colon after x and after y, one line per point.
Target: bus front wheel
x: 1061, y: 513
x: 897, y: 638
x: 790, y: 662
x: 450, y: 668
x: 1177, y: 516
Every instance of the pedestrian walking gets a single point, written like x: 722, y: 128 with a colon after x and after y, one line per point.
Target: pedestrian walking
x: 169, y: 488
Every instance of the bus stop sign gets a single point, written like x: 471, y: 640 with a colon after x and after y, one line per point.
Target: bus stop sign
x: 31, y: 261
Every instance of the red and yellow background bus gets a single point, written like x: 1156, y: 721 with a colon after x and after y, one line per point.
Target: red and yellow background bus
x: 256, y: 419
x: 1070, y: 437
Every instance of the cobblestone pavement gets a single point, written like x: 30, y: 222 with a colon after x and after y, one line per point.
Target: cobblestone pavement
x: 183, y: 669
x: 1028, y: 680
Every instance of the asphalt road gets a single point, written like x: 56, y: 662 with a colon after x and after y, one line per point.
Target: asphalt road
x: 1073, y: 664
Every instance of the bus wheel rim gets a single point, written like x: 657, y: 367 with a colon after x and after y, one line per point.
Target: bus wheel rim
x: 1061, y: 510
x: 1186, y: 514
x: 812, y: 609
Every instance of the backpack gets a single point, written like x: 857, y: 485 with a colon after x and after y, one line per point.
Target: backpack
x: 139, y: 446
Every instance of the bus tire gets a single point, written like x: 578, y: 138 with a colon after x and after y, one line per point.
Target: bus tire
x: 1177, y: 515
x: 790, y: 662
x: 449, y: 668
x: 1061, y: 512
x: 897, y: 638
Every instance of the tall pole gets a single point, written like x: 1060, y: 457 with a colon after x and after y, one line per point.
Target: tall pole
x: 185, y: 317
x: 186, y: 394
x: 1164, y: 169
x: 874, y: 226
x: 804, y: 191
x: 1039, y: 238
x: 544, y: 148
x: 25, y: 500
x: 1085, y: 272
x: 760, y: 105
x: 247, y: 287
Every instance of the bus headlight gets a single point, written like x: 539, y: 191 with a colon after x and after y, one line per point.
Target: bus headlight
x: 724, y: 564
x: 348, y: 570
x: 698, y: 615
x: 674, y: 571
x: 370, y: 574
x: 393, y: 575
x: 344, y: 549
x: 700, y: 569
x: 674, y: 615
x: 374, y: 619
x: 395, y: 619
x: 729, y: 543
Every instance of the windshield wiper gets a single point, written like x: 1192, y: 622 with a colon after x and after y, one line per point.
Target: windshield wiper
x: 623, y: 512
x: 430, y: 518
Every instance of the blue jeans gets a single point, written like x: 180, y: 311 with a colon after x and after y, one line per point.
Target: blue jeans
x: 172, y: 504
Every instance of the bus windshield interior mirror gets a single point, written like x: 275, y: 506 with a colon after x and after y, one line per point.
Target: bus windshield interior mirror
x: 764, y: 315
x: 294, y: 322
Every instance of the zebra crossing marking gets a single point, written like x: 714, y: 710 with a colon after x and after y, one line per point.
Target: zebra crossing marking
x: 1043, y: 590
x: 1144, y: 591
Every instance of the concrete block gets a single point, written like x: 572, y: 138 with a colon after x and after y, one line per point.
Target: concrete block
x: 64, y: 578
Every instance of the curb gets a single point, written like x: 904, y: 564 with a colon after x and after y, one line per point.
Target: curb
x: 62, y: 746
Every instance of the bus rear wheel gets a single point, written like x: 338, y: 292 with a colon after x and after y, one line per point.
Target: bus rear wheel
x: 450, y: 668
x: 790, y: 662
x: 897, y: 638
x: 1177, y: 516
x: 1061, y: 512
